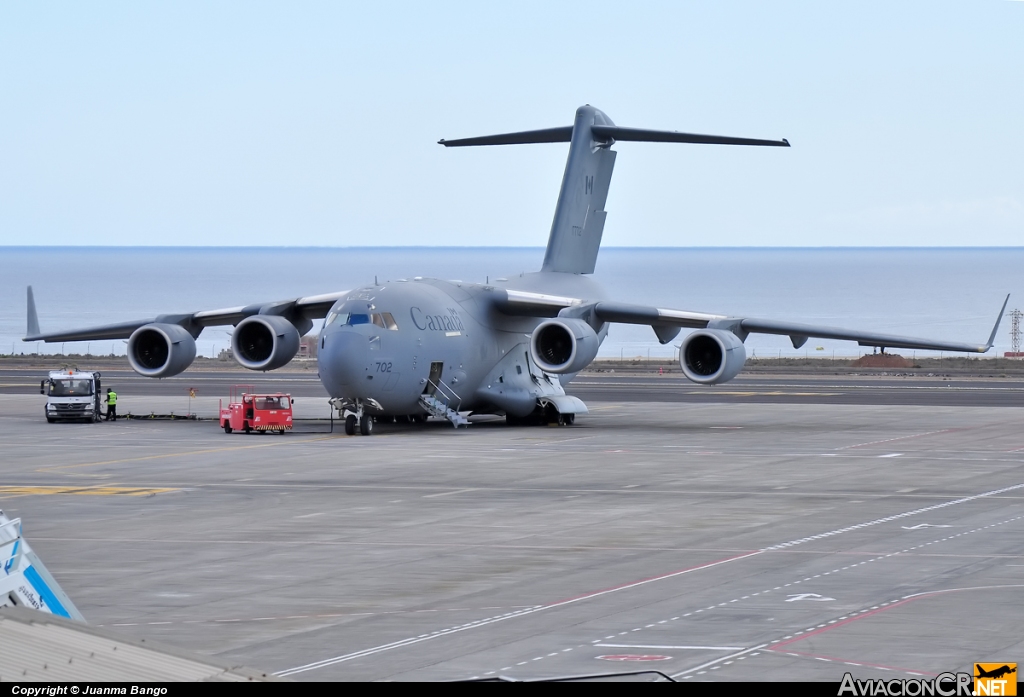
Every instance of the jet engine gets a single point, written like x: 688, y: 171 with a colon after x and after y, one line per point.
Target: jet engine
x: 563, y: 345
x: 711, y: 356
x: 264, y: 342
x: 160, y: 350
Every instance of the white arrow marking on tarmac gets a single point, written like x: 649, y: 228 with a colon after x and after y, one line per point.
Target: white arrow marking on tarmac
x: 666, y: 648
x: 807, y: 596
x: 921, y: 526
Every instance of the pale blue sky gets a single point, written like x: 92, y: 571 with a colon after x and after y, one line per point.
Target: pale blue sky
x: 308, y: 123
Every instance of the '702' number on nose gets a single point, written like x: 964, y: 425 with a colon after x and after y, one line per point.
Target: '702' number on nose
x: 383, y: 367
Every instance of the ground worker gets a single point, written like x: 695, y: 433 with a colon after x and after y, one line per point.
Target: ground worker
x: 111, y: 405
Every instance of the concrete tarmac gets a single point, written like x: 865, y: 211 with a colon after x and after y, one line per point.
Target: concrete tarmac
x: 710, y: 541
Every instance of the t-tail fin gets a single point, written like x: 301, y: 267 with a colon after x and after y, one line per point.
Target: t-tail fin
x: 579, y: 214
x: 578, y: 225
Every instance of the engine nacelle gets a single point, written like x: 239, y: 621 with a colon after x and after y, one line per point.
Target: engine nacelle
x: 264, y: 342
x: 711, y: 356
x: 563, y: 345
x: 160, y: 350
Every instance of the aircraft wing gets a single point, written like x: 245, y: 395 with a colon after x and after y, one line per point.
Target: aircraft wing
x: 664, y: 320
x: 311, y: 307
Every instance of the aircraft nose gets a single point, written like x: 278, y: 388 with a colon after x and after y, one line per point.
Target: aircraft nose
x: 342, y: 361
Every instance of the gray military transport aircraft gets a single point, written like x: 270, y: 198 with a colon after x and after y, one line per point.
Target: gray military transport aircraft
x: 417, y: 347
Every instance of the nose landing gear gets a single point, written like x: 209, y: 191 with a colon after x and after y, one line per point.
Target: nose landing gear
x: 356, y: 418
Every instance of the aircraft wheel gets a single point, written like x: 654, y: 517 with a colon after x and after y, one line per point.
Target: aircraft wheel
x: 227, y: 428
x: 350, y: 425
x: 570, y: 419
x: 366, y: 425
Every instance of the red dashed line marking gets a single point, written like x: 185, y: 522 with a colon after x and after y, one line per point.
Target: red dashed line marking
x: 810, y: 631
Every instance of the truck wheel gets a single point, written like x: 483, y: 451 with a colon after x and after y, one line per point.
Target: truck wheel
x: 246, y: 429
x: 50, y: 420
x: 366, y: 425
x: 227, y: 427
x: 350, y: 425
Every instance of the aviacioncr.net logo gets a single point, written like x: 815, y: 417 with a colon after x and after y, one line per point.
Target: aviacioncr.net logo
x: 943, y: 685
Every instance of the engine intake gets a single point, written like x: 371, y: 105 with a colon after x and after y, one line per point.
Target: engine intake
x: 711, y: 356
x: 264, y: 342
x: 563, y: 345
x: 160, y: 350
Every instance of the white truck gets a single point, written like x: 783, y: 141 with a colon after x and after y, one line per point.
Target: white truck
x: 71, y: 395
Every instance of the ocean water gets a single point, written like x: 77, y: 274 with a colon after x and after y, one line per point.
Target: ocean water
x: 948, y: 294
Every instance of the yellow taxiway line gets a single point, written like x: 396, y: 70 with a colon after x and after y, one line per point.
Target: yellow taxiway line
x: 13, y: 491
x: 183, y: 454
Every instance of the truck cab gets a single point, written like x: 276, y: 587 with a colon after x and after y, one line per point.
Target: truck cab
x: 71, y: 395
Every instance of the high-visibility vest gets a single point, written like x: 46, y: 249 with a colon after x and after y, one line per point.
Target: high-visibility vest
x: 112, y: 398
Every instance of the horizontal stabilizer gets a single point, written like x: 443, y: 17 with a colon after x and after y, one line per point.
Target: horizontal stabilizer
x: 561, y: 134
x: 644, y: 135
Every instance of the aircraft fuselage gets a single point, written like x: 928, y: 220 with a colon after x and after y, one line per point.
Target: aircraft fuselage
x: 385, y: 344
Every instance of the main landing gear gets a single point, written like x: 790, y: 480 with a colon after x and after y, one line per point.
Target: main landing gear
x: 546, y: 416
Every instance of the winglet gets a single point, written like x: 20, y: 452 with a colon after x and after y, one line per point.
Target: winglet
x: 992, y: 336
x: 33, y: 318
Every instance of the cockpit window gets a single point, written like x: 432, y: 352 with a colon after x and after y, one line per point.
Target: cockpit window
x: 384, y: 320
x: 340, y: 317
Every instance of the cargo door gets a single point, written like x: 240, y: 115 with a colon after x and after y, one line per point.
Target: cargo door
x: 436, y: 367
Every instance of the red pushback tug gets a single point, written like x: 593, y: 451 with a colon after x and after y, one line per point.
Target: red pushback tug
x: 248, y: 411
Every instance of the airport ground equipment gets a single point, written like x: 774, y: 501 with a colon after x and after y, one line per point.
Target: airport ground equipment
x: 249, y: 411
x: 404, y: 349
x: 24, y: 580
x: 71, y: 395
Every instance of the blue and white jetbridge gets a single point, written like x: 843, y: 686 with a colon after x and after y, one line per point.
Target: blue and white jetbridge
x: 24, y: 580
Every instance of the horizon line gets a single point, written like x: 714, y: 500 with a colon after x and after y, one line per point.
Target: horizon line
x: 504, y: 247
